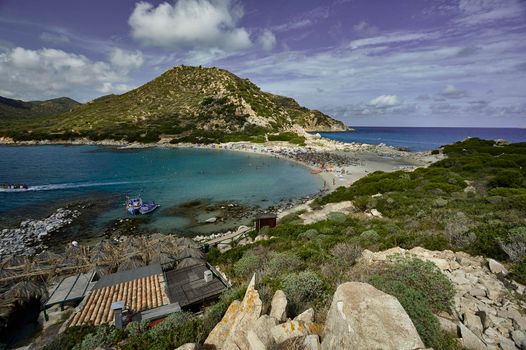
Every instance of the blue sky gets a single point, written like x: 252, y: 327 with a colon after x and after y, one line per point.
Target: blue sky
x: 366, y: 62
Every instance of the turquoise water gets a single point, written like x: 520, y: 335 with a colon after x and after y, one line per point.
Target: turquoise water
x: 423, y: 139
x: 168, y: 176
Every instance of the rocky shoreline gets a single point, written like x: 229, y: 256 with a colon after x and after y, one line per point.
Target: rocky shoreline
x: 27, y: 238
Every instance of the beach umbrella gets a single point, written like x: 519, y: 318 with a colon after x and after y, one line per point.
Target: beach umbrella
x: 48, y: 257
x: 187, y: 262
x: 131, y: 264
x: 25, y: 290
x: 189, y: 253
x: 6, y: 273
x: 186, y: 242
x: 14, y: 261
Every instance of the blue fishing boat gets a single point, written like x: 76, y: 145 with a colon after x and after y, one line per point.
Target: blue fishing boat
x: 148, y: 207
x: 133, y: 205
x: 136, y: 206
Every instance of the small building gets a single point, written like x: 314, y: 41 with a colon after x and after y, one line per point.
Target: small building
x: 263, y: 220
x: 149, y: 293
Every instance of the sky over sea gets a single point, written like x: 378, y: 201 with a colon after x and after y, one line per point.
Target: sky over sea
x: 366, y: 62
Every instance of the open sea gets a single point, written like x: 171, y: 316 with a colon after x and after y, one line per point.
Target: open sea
x: 168, y: 176
x: 423, y: 139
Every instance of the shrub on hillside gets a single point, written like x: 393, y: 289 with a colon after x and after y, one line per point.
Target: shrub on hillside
x: 309, y: 235
x: 369, y: 236
x: 302, y: 287
x: 247, y: 265
x: 70, y: 337
x: 519, y: 272
x: 346, y: 253
x: 279, y: 263
x: 422, y: 290
x: 337, y: 217
x: 515, y: 244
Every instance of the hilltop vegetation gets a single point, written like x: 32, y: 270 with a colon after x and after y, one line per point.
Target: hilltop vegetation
x: 15, y: 109
x: 185, y: 104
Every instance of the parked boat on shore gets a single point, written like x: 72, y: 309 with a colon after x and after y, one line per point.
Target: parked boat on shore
x: 136, y: 206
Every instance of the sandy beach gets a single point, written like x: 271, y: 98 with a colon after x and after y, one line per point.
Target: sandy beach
x: 340, y: 163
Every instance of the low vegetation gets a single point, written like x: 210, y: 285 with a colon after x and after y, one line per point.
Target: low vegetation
x: 474, y: 201
x: 423, y: 291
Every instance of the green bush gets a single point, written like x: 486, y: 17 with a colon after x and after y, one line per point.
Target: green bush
x: 337, y: 217
x: 514, y: 244
x: 104, y: 337
x: 422, y: 290
x: 288, y: 137
x: 506, y: 178
x: 279, y: 263
x: 247, y: 265
x: 309, y: 235
x: 519, y: 272
x: 302, y: 287
x: 70, y: 337
x: 369, y: 236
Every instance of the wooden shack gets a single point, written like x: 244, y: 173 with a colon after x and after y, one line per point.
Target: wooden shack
x: 263, y: 220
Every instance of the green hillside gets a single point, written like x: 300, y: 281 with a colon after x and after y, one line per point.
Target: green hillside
x: 15, y: 109
x: 189, y: 104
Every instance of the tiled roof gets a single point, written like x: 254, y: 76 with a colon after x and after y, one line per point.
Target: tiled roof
x: 139, y: 294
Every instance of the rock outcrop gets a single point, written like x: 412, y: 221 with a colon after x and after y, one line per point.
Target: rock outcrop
x: 363, y: 317
x: 27, y: 238
x: 485, y: 314
x: 231, y: 332
x: 278, y: 306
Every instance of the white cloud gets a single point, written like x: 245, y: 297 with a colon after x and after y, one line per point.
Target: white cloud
x: 22, y: 58
x: 49, y: 73
x: 384, y: 101
x: 193, y: 24
x: 389, y: 39
x: 126, y: 60
x: 365, y: 29
x: 54, y: 38
x: 451, y: 91
x: 483, y: 11
x: 267, y: 40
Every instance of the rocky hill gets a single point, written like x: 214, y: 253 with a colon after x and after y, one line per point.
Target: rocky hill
x: 189, y: 104
x: 16, y: 109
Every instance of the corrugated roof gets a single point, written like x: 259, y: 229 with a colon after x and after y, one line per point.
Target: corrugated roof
x: 187, y: 286
x: 71, y: 288
x: 138, y: 294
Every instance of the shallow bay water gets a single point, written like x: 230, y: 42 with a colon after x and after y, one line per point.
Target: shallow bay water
x: 168, y: 176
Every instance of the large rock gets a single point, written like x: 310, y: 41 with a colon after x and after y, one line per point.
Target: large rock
x: 363, y: 317
x: 231, y: 332
x: 261, y: 334
x: 496, y: 267
x: 474, y: 323
x: 312, y: 342
x: 278, y: 306
x: 292, y: 329
x: 469, y: 340
x: 306, y: 316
